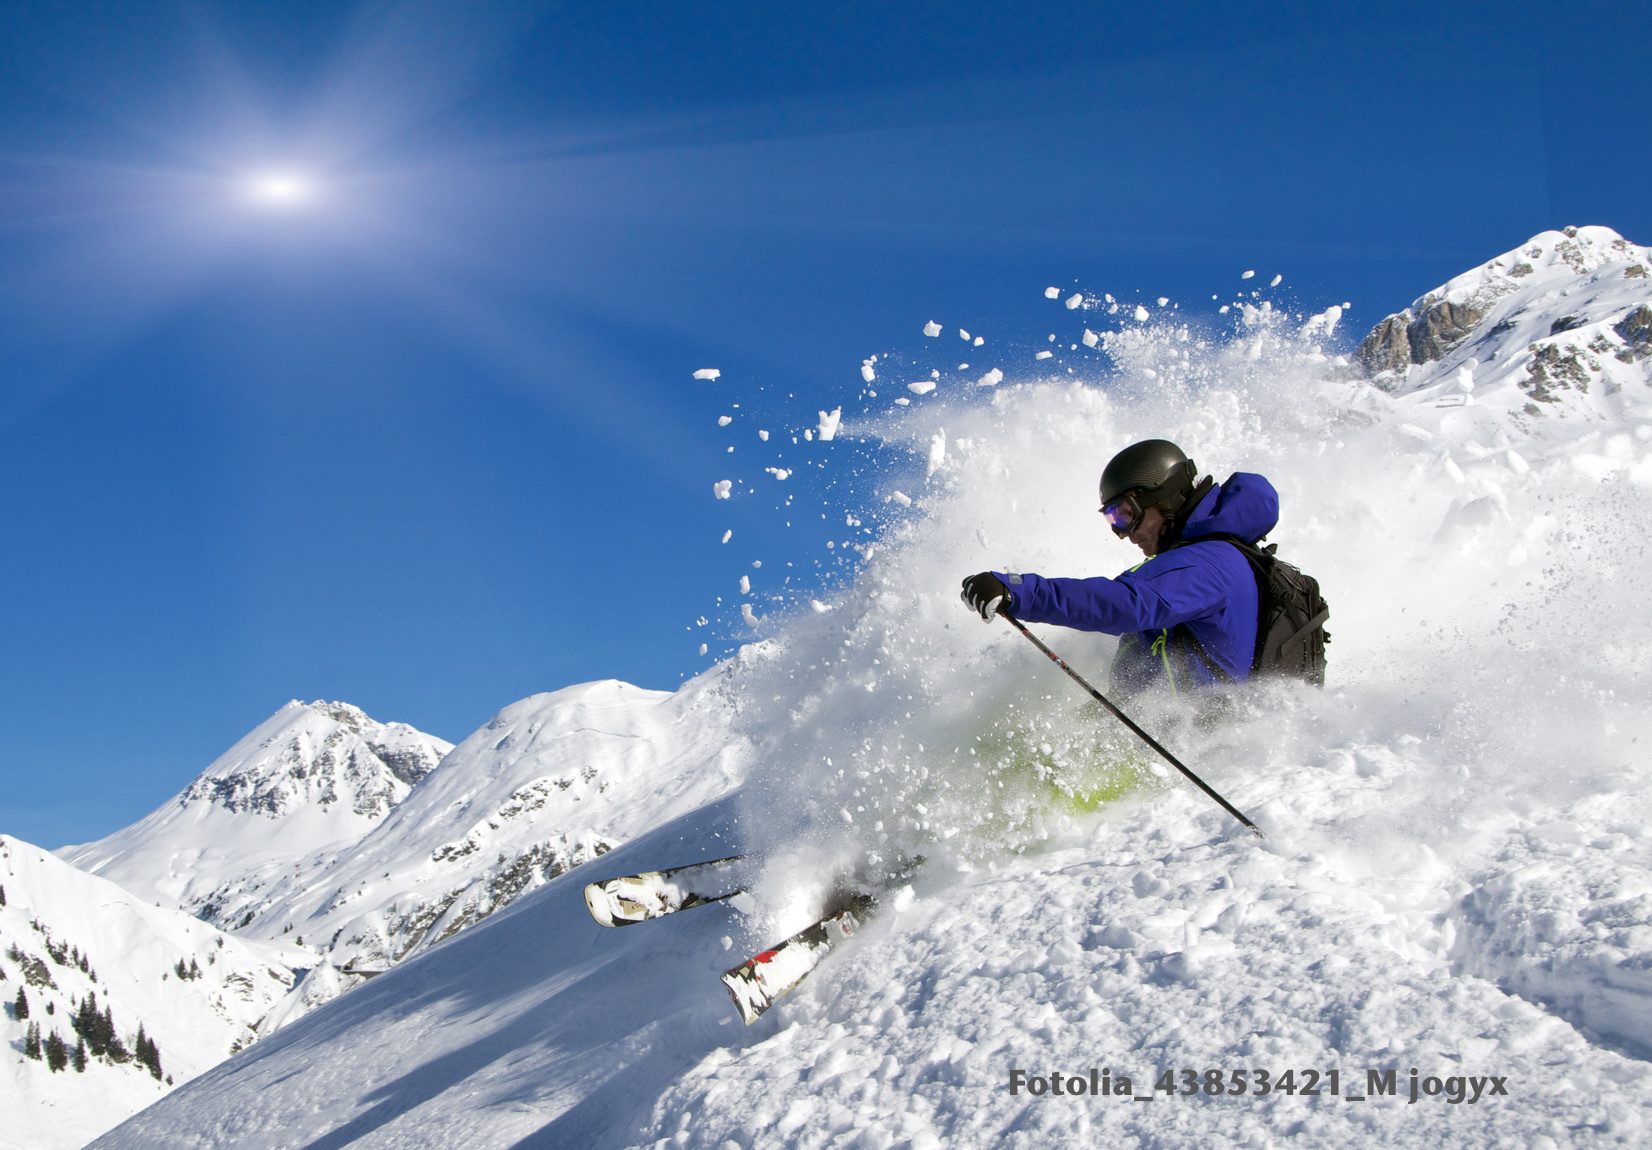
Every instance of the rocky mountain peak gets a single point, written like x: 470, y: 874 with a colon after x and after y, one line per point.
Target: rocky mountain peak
x: 320, y: 753
x: 1440, y: 320
x: 1562, y: 323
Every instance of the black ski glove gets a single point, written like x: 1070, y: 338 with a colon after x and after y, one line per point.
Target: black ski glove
x: 986, y: 595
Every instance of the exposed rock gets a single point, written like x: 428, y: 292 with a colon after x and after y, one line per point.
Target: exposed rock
x: 1635, y: 330
x: 1553, y: 369
x: 1441, y: 327
x: 1387, y: 348
x: 1404, y: 339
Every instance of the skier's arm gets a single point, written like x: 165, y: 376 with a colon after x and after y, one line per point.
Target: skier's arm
x: 1156, y: 595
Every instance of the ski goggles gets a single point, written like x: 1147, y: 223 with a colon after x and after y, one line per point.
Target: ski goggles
x: 1123, y: 514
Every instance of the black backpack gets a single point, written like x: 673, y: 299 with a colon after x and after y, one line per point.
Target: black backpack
x: 1290, y: 632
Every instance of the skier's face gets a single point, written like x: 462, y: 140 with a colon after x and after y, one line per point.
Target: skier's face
x: 1149, y: 531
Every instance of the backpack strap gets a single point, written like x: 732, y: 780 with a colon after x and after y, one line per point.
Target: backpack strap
x: 1323, y: 615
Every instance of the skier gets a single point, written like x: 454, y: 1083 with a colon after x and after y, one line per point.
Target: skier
x: 1187, y: 615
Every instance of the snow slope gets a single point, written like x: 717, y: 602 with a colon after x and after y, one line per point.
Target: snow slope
x: 310, y: 779
x: 1457, y: 874
x: 53, y: 917
x: 548, y: 783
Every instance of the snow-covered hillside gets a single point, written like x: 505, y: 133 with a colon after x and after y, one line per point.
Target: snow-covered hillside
x: 71, y: 941
x: 329, y: 830
x: 548, y: 783
x: 1457, y: 874
x: 308, y: 781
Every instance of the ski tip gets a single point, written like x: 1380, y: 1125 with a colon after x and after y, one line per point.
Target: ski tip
x: 747, y: 998
x: 600, y: 903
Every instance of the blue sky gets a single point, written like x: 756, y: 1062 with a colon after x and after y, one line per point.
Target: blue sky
x: 429, y: 442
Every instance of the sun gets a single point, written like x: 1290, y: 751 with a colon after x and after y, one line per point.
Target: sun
x: 281, y: 189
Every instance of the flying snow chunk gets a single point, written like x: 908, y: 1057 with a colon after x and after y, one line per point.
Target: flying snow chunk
x: 978, y: 341
x: 1052, y: 293
x: 727, y: 535
x: 703, y: 649
x: 724, y: 420
x: 1248, y: 273
x: 991, y: 379
x: 1141, y: 314
x: 1073, y: 301
x: 1277, y: 280
x: 763, y: 435
x: 723, y: 488
x: 1044, y: 355
x: 818, y: 607
x: 867, y: 373
x: 932, y: 329
x: 748, y: 615
x: 1091, y: 338
x: 963, y: 335
x: 708, y: 373
x: 921, y: 387
x: 901, y: 497
x: 780, y: 473
x: 827, y: 427
x: 937, y: 451
x: 745, y: 584
x: 1163, y: 300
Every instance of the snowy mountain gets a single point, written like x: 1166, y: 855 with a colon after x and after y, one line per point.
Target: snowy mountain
x: 1455, y: 880
x: 1559, y: 326
x: 307, y: 782
x: 548, y: 783
x: 74, y: 948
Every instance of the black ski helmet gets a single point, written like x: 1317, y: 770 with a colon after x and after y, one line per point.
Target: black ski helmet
x: 1157, y: 469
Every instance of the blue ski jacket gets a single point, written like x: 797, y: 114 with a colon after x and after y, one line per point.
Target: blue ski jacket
x: 1203, y: 589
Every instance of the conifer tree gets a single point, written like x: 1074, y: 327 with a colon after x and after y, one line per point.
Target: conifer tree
x: 148, y: 1054
x: 89, y: 1024
x: 31, y: 1042
x: 20, y: 1008
x: 57, y: 1052
x: 77, y: 1056
x: 117, y: 1049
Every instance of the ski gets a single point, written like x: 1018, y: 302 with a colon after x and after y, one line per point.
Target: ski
x: 633, y: 898
x: 760, y: 981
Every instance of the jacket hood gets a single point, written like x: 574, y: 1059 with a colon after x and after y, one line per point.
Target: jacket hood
x: 1245, y: 505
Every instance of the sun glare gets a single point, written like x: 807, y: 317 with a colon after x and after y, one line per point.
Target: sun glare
x: 281, y: 189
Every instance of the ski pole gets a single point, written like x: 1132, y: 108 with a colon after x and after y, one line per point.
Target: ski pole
x: 1129, y: 722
